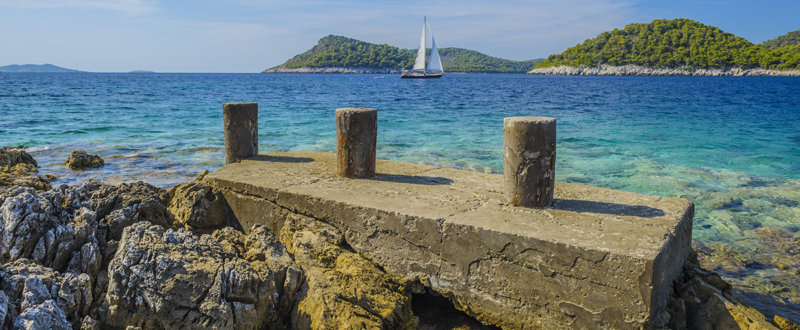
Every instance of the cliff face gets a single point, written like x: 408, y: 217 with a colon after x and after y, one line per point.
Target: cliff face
x: 637, y: 70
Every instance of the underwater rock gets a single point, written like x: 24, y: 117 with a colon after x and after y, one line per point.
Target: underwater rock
x: 197, y: 207
x: 165, y: 278
x: 79, y: 160
x: 342, y: 289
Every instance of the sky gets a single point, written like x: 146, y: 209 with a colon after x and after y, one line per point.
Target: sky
x: 251, y: 35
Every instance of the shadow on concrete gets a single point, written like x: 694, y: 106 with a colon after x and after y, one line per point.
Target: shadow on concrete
x: 413, y: 179
x: 606, y: 208
x: 282, y: 159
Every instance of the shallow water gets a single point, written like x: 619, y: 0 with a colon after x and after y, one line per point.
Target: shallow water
x: 730, y: 144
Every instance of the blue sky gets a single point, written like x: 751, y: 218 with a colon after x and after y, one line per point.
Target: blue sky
x: 250, y: 35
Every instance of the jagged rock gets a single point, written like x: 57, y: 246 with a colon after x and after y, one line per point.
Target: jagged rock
x: 3, y: 308
x: 163, y: 278
x: 784, y: 323
x: 342, y: 290
x: 43, y: 316
x: 198, y: 207
x: 79, y: 159
x: 69, y: 226
x: 702, y: 300
x: 129, y: 203
x: 23, y: 175
x: 10, y: 156
x: 40, y: 297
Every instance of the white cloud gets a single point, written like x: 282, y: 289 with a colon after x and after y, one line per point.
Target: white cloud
x: 130, y: 7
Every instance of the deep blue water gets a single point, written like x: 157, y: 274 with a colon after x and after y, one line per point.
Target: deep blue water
x: 730, y: 144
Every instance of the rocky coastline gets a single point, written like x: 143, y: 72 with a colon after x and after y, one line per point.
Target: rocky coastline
x: 334, y: 70
x: 96, y: 256
x: 636, y: 70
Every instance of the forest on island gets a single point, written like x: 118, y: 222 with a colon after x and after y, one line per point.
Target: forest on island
x: 338, y: 51
x: 679, y: 43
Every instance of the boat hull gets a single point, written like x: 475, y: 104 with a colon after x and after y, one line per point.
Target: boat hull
x: 415, y: 75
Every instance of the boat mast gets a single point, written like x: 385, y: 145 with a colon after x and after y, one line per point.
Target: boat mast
x: 419, y: 64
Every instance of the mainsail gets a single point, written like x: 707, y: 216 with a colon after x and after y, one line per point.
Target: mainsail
x: 435, y: 64
x: 419, y: 64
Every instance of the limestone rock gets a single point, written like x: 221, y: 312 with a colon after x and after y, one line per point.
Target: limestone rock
x: 44, y: 316
x: 10, y: 156
x: 79, y: 159
x: 88, y: 323
x: 3, y: 307
x: 129, y: 203
x: 198, y: 207
x: 40, y: 298
x: 784, y: 323
x: 23, y: 175
x: 163, y: 278
x: 342, y: 289
x: 702, y: 300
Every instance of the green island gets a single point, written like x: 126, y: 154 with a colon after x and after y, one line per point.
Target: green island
x: 679, y: 43
x: 342, y: 52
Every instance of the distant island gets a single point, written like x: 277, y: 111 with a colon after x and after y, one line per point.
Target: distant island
x: 337, y: 54
x: 41, y: 68
x: 676, y: 47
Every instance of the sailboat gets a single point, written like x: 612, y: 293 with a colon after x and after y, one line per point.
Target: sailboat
x: 434, y: 67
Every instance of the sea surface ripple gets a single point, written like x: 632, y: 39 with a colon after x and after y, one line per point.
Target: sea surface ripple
x: 730, y: 144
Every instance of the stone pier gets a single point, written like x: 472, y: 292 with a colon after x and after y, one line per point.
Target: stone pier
x: 594, y: 258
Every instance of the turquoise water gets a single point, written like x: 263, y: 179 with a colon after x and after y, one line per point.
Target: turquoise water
x: 730, y: 144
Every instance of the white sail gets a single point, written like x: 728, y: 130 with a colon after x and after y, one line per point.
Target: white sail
x: 435, y: 64
x: 419, y: 64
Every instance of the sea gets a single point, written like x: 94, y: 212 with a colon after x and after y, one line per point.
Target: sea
x: 729, y: 144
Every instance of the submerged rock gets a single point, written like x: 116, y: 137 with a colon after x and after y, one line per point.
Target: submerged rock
x: 79, y: 159
x: 342, y: 289
x: 163, y: 278
x: 198, y: 207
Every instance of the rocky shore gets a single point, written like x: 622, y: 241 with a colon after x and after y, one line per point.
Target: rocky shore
x: 98, y: 256
x: 332, y: 70
x: 636, y: 70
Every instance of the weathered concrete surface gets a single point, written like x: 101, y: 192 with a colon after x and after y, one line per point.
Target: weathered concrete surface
x: 240, y: 122
x: 529, y: 160
x: 356, y: 139
x: 596, y: 258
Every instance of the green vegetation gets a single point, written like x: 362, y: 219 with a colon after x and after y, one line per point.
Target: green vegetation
x: 789, y: 39
x: 337, y: 51
x: 465, y: 60
x: 672, y: 44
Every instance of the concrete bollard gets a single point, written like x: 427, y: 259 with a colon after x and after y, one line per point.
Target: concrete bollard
x: 529, y: 160
x: 356, y: 134
x: 240, y: 121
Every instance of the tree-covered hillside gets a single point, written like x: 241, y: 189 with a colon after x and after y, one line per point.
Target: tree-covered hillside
x: 672, y: 44
x: 789, y: 39
x: 465, y: 60
x: 337, y: 51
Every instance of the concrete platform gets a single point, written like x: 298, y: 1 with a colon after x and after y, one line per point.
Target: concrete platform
x: 597, y: 258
